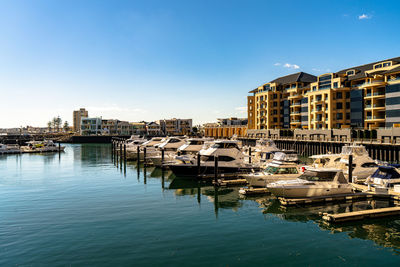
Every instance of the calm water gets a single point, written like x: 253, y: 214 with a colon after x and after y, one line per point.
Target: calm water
x: 80, y: 209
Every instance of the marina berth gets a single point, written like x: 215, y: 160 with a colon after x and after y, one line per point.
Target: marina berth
x: 150, y: 146
x: 313, y: 183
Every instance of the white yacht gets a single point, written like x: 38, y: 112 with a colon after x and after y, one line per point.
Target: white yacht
x: 282, y: 167
x: 131, y: 148
x: 172, y: 143
x: 185, y: 154
x: 41, y: 146
x: 193, y: 145
x: 363, y: 165
x: 230, y: 160
x: 313, y: 183
x: 9, y: 149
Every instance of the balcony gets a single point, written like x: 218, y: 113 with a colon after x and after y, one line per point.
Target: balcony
x: 372, y: 84
x: 296, y: 103
x: 370, y: 118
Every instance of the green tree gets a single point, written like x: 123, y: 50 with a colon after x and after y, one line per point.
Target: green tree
x: 49, y: 124
x: 66, y: 126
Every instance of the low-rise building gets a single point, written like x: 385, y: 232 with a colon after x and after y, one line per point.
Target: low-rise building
x: 232, y: 121
x: 176, y: 126
x: 153, y: 129
x: 91, y: 126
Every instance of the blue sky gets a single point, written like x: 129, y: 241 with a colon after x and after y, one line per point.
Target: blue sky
x: 148, y: 60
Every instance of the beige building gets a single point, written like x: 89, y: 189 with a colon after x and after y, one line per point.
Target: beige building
x: 176, y: 126
x: 77, y: 117
x: 359, y: 97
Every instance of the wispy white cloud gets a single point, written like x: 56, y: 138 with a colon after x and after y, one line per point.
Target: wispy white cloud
x: 241, y: 110
x: 291, y: 66
x: 364, y: 16
x: 277, y: 64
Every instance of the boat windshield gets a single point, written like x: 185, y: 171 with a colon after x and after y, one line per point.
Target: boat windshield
x: 281, y: 170
x: 195, y: 142
x: 224, y: 145
x: 315, y: 176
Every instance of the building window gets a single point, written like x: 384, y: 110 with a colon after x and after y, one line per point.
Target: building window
x: 387, y: 64
x: 275, y: 119
x: 339, y: 105
x: 339, y: 95
x: 275, y: 112
x: 378, y: 66
x: 314, y: 88
x: 347, y: 116
x: 335, y: 85
x: 350, y: 72
x: 261, y: 98
x: 347, y: 105
x: 339, y: 116
x: 275, y: 104
x: 347, y: 94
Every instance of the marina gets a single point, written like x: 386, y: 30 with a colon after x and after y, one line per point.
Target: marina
x: 117, y: 211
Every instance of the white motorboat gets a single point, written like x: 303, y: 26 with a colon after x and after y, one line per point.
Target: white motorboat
x: 363, y: 165
x: 230, y: 160
x: 9, y: 149
x: 41, y: 146
x: 193, y: 145
x: 313, y: 183
x: 282, y: 167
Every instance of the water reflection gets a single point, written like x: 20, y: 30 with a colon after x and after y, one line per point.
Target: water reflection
x: 384, y: 232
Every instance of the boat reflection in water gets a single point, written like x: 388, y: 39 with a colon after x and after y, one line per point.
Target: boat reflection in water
x: 224, y: 198
x: 384, y: 231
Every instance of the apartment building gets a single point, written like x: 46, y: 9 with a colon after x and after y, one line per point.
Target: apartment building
x: 366, y: 96
x: 77, y: 115
x: 278, y: 104
x: 232, y: 121
x: 153, y: 129
x: 91, y: 126
x: 176, y: 126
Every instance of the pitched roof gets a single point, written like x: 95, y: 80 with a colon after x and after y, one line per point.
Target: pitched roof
x: 360, y: 70
x: 396, y: 69
x: 295, y: 77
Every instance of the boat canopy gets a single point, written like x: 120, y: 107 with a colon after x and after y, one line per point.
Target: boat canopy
x: 281, y: 156
x: 386, y: 172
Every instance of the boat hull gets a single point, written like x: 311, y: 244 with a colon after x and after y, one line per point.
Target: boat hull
x: 192, y: 170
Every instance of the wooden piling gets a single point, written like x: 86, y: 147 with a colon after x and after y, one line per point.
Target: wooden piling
x: 198, y: 164
x: 250, y: 155
x: 350, y: 168
x: 216, y: 169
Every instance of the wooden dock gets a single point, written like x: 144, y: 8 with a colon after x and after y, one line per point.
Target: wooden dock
x: 360, y: 215
x: 318, y: 200
x: 253, y: 191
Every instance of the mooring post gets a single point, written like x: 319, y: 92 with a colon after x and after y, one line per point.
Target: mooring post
x: 250, y: 155
x: 216, y: 170
x: 59, y: 146
x: 198, y: 163
x: 350, y: 168
x: 144, y: 155
x: 125, y: 151
x: 120, y: 153
x: 162, y: 156
x: 138, y: 154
